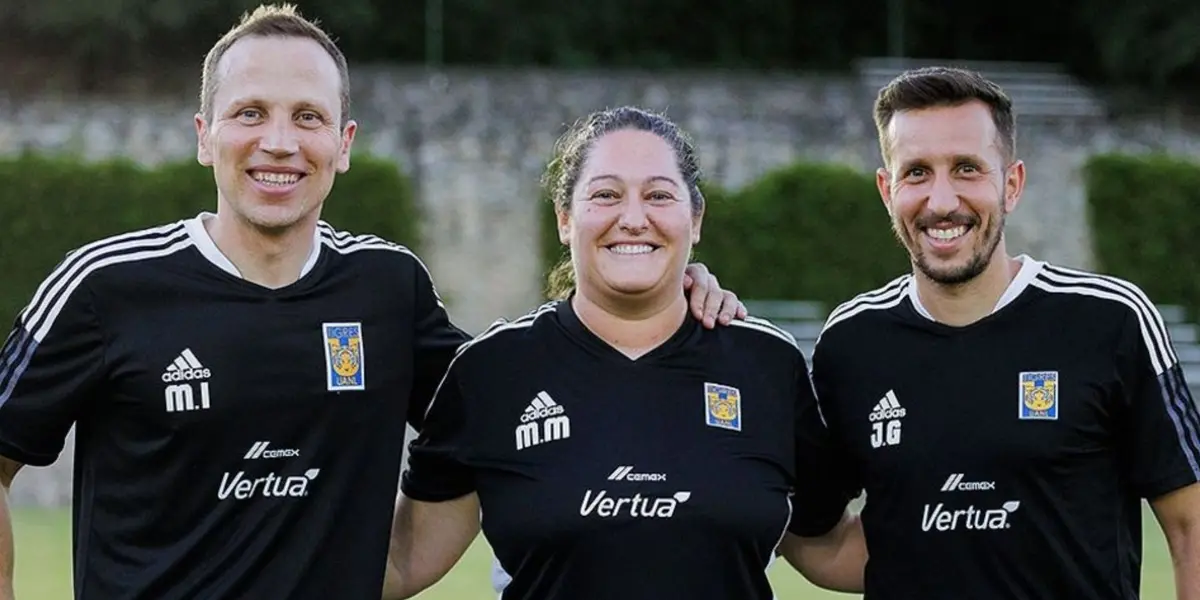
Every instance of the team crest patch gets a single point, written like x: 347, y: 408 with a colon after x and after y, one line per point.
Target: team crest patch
x: 344, y: 356
x: 722, y: 406
x: 1039, y: 396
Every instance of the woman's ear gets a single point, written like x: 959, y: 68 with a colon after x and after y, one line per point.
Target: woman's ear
x: 564, y: 225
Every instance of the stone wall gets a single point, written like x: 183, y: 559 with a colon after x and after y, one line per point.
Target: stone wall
x: 474, y: 143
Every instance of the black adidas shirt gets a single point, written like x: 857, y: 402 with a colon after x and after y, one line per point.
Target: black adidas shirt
x: 231, y: 441
x: 668, y: 476
x: 1008, y: 459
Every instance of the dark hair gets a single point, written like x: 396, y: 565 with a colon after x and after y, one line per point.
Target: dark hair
x: 271, y: 20
x: 930, y: 87
x: 571, y: 151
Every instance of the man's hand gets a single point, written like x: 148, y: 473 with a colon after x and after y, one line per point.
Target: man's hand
x: 710, y: 304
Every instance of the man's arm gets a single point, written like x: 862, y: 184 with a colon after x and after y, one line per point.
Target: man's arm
x: 437, y: 514
x: 428, y: 538
x: 1162, y: 441
x: 825, y: 540
x: 51, y: 364
x: 834, y: 561
x: 8, y: 470
x: 1178, y: 514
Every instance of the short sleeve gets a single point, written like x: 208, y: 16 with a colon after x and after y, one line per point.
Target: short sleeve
x: 824, y: 377
x: 819, y: 500
x: 1163, y: 445
x: 437, y: 468
x: 51, y: 364
x: 436, y: 340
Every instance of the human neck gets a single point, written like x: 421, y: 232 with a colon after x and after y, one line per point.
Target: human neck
x: 270, y: 259
x: 632, y: 326
x: 965, y: 303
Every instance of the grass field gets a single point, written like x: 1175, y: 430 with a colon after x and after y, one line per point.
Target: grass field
x: 43, y: 565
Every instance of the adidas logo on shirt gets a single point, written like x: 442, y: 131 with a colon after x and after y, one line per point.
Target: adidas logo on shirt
x: 183, y: 374
x: 885, y: 421
x: 186, y: 367
x: 540, y: 407
x: 542, y: 421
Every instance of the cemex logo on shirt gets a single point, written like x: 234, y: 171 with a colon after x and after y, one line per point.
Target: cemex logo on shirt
x: 262, y: 450
x: 626, y: 473
x: 955, y: 483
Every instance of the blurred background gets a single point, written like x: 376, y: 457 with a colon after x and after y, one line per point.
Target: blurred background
x: 459, y: 101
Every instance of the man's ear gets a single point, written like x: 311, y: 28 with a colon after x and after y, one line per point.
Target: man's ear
x: 348, y: 132
x: 883, y: 182
x: 1014, y: 185
x: 203, y: 151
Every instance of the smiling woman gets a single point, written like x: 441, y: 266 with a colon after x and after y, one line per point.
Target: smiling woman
x: 625, y: 187
x: 582, y: 406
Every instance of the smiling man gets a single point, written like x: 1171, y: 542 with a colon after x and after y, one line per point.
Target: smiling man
x: 240, y: 381
x: 1004, y: 415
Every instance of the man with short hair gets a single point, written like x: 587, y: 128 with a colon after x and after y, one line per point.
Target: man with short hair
x: 239, y: 381
x: 1004, y: 415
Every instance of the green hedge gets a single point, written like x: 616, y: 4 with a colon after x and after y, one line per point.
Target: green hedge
x: 50, y: 205
x: 1144, y: 213
x: 803, y: 232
